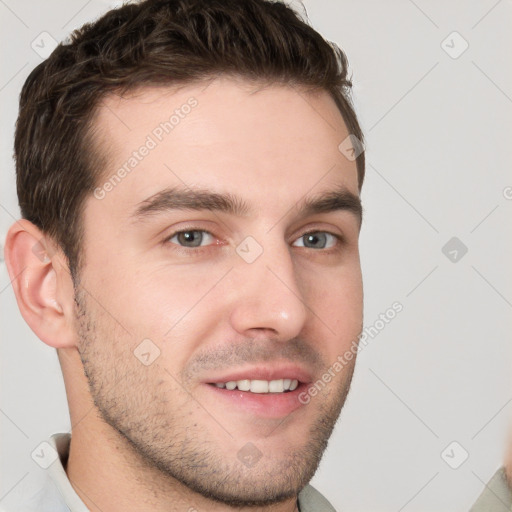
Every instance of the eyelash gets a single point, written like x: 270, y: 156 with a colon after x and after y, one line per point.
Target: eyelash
x: 192, y: 251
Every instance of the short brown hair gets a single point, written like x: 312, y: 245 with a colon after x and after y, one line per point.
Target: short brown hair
x: 154, y: 42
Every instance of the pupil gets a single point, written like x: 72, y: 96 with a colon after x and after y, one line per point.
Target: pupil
x: 191, y: 237
x: 314, y: 238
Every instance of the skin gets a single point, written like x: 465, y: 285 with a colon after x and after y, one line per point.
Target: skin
x: 156, y: 436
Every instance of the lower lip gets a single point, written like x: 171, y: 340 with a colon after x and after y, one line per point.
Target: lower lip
x: 267, y: 405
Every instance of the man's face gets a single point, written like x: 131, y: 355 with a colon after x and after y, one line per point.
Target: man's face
x: 176, y: 302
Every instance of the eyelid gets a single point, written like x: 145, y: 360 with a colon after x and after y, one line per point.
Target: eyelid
x: 188, y: 230
x: 320, y: 227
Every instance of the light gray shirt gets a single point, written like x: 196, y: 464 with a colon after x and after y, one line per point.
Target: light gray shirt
x: 54, y: 493
x: 496, y: 497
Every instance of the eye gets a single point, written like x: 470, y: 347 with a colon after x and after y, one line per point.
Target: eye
x: 196, y: 238
x: 318, y: 240
x: 191, y: 238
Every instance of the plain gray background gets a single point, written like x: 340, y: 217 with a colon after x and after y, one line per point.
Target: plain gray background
x: 438, y: 122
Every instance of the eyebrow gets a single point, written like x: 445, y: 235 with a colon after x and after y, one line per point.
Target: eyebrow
x: 174, y: 198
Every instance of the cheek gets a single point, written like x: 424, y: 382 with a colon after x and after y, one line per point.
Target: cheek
x: 141, y: 292
x: 337, y: 300
x: 174, y: 307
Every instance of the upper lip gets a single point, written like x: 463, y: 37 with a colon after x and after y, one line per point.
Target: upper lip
x: 263, y: 372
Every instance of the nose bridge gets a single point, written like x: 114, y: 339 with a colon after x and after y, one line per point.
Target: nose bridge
x: 268, y: 297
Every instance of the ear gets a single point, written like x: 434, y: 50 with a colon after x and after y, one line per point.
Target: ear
x: 42, y: 284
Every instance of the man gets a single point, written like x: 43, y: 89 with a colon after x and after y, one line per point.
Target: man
x: 189, y: 174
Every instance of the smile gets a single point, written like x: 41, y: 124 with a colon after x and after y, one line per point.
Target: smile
x: 259, y: 386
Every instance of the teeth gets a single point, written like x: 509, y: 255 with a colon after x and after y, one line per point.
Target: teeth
x: 260, y: 386
x: 276, y: 386
x: 243, y: 385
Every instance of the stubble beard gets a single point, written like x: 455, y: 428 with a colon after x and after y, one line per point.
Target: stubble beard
x: 162, y: 437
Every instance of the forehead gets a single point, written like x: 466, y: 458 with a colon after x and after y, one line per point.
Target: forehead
x: 273, y: 141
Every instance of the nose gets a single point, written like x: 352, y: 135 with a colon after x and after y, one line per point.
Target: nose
x: 267, y: 300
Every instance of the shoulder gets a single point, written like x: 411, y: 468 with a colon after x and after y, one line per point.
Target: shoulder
x: 38, y: 490
x: 496, y: 496
x: 36, y: 493
x: 310, y: 500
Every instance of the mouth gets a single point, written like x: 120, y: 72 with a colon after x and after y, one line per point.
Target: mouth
x: 261, y: 392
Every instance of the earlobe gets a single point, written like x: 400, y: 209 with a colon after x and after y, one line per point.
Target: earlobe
x: 42, y: 284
